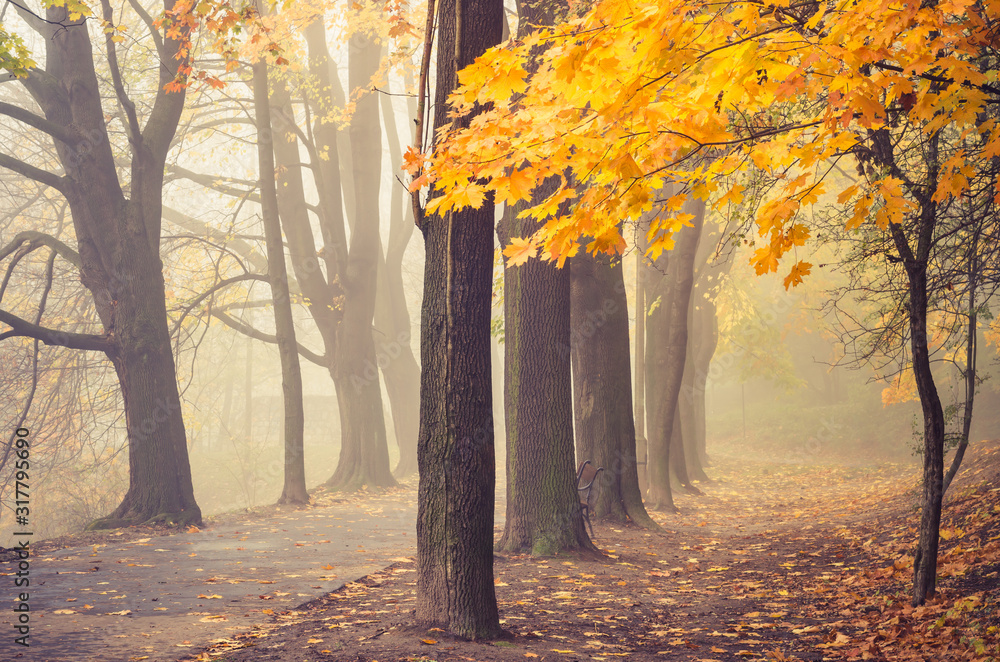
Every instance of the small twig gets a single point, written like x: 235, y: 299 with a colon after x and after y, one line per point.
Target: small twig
x: 377, y: 634
x: 394, y: 94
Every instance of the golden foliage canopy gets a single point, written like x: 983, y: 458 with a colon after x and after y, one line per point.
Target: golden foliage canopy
x: 636, y: 95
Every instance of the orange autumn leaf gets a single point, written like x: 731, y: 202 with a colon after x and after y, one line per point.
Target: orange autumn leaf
x: 520, y: 251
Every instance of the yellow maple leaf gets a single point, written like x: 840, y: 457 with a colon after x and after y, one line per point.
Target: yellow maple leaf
x: 847, y: 194
x: 518, y: 186
x: 506, y: 82
x: 765, y: 260
x: 469, y: 196
x: 733, y: 196
x: 520, y: 251
x: 413, y: 161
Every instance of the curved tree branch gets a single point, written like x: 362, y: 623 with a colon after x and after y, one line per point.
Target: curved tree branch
x: 57, y: 182
x: 20, y: 255
x: 150, y: 25
x: 239, y: 246
x: 42, y: 239
x: 116, y: 75
x: 24, y: 328
x: 225, y: 282
x: 65, y: 134
x: 215, y: 183
x: 265, y: 337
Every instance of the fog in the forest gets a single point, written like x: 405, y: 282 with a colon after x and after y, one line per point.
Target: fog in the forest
x: 792, y: 379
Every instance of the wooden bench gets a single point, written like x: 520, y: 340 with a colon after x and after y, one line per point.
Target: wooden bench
x: 586, y: 476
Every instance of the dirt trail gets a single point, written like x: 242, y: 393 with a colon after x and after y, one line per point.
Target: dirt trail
x: 726, y: 555
x: 157, y: 598
x: 776, y: 561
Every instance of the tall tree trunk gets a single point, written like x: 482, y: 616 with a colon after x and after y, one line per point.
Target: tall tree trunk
x: 118, y: 239
x: 499, y: 425
x: 364, y: 451
x: 925, y: 561
x: 666, y: 351
x: 602, y: 389
x: 688, y: 402
x: 916, y: 257
x: 455, y: 451
x: 678, y: 447
x: 160, y: 487
x: 543, y: 507
x: 707, y: 326
x: 294, y: 488
x: 392, y: 317
x: 639, y: 365
x: 659, y: 495
x: 341, y: 301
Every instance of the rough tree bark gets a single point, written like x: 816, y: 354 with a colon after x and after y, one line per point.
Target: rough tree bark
x: 543, y: 506
x: 294, y: 487
x: 118, y: 239
x: 455, y: 452
x: 602, y: 389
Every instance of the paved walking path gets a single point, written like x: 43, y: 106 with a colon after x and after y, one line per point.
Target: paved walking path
x: 158, y: 598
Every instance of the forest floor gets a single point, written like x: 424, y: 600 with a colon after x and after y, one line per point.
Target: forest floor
x: 774, y: 562
x: 777, y: 560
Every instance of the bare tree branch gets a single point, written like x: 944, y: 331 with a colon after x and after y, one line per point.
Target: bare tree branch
x: 215, y: 183
x: 65, y: 134
x: 24, y: 328
x: 57, y: 182
x: 42, y: 239
x: 20, y: 255
x: 222, y: 121
x: 161, y: 124
x: 39, y: 24
x: 240, y: 246
x: 264, y: 337
x: 224, y: 283
x: 116, y: 75
x: 148, y: 20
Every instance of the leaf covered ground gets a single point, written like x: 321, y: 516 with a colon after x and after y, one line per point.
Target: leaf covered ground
x: 774, y: 562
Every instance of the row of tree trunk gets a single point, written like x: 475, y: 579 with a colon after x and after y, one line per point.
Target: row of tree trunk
x: 559, y: 325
